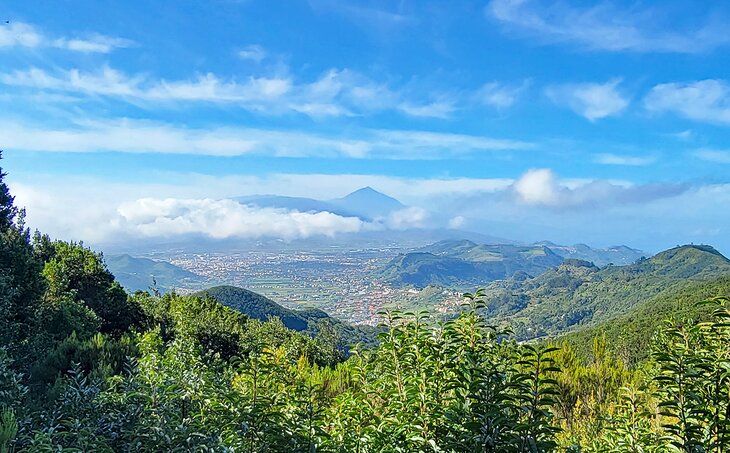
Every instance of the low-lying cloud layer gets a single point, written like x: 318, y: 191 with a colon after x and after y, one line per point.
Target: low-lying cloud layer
x: 220, y: 219
x: 200, y: 207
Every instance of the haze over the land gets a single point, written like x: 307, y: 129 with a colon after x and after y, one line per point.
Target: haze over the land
x: 561, y: 121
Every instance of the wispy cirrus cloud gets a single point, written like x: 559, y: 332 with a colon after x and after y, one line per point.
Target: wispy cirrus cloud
x: 606, y: 27
x: 253, y: 52
x: 499, y: 95
x: 335, y: 93
x: 439, y: 109
x: 380, y: 18
x: 720, y: 156
x: 703, y: 100
x: 590, y: 100
x: 129, y: 136
x: 20, y: 34
x: 616, y: 159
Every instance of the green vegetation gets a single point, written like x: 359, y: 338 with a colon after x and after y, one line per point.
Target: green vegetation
x: 141, y: 274
x: 86, y: 367
x: 577, y: 294
x: 465, y: 264
x: 629, y: 335
x: 311, y: 321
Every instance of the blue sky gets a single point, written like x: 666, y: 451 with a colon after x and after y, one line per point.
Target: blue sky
x: 572, y: 121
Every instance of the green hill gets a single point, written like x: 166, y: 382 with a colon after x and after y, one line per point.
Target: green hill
x: 577, y: 293
x: 142, y: 273
x: 465, y: 264
x: 311, y: 321
x: 629, y: 335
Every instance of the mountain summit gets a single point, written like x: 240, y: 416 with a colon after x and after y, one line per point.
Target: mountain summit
x: 368, y: 203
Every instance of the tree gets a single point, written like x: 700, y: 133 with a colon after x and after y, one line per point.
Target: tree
x: 75, y: 272
x: 21, y: 283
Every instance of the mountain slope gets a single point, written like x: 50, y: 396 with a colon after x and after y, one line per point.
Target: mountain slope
x: 629, y: 335
x: 465, y: 264
x: 368, y: 203
x: 262, y: 308
x: 139, y: 274
x: 295, y: 204
x: 577, y: 294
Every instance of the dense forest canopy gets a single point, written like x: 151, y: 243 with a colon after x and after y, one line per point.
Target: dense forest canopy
x: 84, y: 366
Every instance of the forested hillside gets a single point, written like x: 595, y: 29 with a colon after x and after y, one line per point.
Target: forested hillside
x: 85, y: 366
x: 465, y: 264
x: 311, y: 321
x: 629, y: 335
x: 141, y: 274
x: 577, y: 293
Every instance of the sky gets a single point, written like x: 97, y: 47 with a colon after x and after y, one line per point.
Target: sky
x: 595, y: 122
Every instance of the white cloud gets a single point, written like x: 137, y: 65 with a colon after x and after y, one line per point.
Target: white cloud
x: 407, y: 218
x: 704, y: 100
x: 457, y: 222
x: 539, y: 203
x: 94, y: 44
x: 615, y: 159
x: 541, y: 187
x: 497, y: 95
x: 538, y: 187
x: 219, y: 219
x: 19, y: 34
x: 112, y: 83
x: 132, y: 136
x: 334, y: 93
x: 603, y: 27
x: 378, y: 19
x: 431, y: 110
x: 720, y: 156
x: 253, y: 52
x: 95, y: 200
x: 685, y: 135
x: 590, y: 100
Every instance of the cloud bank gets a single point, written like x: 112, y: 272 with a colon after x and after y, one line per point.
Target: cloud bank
x: 541, y: 187
x: 220, y: 219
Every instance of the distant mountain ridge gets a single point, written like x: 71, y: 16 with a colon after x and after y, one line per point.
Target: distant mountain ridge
x: 465, y: 264
x: 618, y: 255
x: 577, y: 293
x: 140, y: 274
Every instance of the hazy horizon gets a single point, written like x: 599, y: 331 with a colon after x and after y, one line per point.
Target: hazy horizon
x: 605, y: 125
